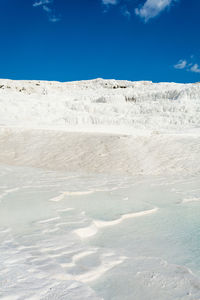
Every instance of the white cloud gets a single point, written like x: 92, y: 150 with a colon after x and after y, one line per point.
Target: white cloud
x: 123, y: 8
x: 195, y: 68
x: 53, y: 18
x: 42, y: 2
x: 107, y: 2
x: 49, y: 10
x: 181, y: 64
x: 152, y: 8
x: 125, y: 12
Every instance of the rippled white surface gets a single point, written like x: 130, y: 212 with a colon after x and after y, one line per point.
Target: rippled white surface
x: 67, y: 236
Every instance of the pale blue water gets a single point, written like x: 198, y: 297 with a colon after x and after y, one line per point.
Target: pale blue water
x: 44, y: 255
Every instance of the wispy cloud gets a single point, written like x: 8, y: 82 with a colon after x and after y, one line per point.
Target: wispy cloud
x: 110, y: 2
x: 48, y: 9
x: 122, y: 6
x: 125, y: 12
x: 181, y: 64
x: 188, y: 66
x: 42, y: 2
x: 152, y: 8
x: 53, y: 18
x: 195, y: 68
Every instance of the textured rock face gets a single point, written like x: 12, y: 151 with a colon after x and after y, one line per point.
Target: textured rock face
x: 88, y: 105
x: 146, y: 128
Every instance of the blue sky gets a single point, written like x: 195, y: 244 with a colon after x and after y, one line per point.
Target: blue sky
x: 64, y: 40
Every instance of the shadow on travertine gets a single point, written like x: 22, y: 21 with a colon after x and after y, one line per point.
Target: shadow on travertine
x: 100, y: 153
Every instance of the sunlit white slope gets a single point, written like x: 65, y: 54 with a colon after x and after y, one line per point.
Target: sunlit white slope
x: 107, y: 105
x: 146, y: 128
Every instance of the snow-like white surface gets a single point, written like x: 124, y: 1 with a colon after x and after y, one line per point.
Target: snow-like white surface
x: 100, y: 105
x: 107, y: 237
x: 150, y: 154
x: 93, y: 237
x: 146, y: 128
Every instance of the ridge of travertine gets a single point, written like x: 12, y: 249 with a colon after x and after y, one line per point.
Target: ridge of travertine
x: 114, y: 105
x: 101, y: 126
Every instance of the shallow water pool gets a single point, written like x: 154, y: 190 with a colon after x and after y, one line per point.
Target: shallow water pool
x: 73, y: 236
